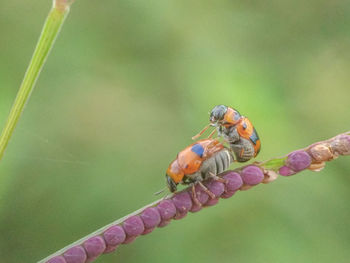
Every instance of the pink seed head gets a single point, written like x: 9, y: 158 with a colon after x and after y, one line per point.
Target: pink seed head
x: 201, y: 195
x: 298, y: 160
x: 133, y: 226
x: 75, y: 254
x: 94, y: 246
x: 285, y: 171
x: 234, y: 181
x: 217, y: 188
x: 182, y: 202
x: 166, y: 209
x: 252, y: 175
x: 114, y: 235
x: 150, y: 217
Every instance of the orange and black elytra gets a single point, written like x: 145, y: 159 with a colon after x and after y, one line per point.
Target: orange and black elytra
x: 197, y: 162
x: 236, y: 130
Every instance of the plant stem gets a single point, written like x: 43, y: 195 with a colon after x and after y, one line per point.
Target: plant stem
x: 317, y: 153
x: 46, y: 40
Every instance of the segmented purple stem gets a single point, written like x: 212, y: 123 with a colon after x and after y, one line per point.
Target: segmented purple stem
x: 176, y: 206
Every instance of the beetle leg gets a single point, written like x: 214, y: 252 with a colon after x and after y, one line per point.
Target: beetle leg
x: 217, y: 178
x: 241, y: 153
x: 212, y: 196
x: 231, y: 134
x: 221, y: 180
x: 194, y: 196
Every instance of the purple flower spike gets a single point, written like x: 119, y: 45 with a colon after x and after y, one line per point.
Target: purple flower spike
x: 133, y: 226
x: 57, y: 259
x: 182, y: 202
x: 147, y: 231
x: 164, y: 223
x: 75, y: 254
x: 298, y: 160
x: 234, y: 181
x: 217, y: 188
x: 252, y: 175
x: 129, y: 239
x: 166, y: 209
x: 94, y: 246
x: 114, y: 236
x: 212, y: 202
x: 286, y: 171
x: 150, y: 217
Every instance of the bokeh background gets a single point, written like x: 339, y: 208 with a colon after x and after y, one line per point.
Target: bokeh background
x: 124, y: 89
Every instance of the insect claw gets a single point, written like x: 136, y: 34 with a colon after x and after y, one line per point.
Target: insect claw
x: 221, y: 180
x: 211, y: 174
x: 217, y: 178
x: 212, y: 196
x: 194, y: 196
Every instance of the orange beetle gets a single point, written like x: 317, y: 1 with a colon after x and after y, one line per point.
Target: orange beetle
x: 237, y: 130
x: 201, y: 160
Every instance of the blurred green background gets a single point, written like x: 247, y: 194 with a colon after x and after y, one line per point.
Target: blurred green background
x: 124, y: 89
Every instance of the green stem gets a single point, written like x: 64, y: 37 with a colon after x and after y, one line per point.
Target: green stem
x: 46, y: 40
x: 339, y: 147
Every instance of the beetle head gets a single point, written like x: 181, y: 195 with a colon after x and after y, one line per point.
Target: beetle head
x: 217, y: 114
x: 174, y: 175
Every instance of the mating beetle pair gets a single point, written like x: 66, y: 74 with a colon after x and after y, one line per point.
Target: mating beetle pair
x: 236, y: 130
x: 207, y: 158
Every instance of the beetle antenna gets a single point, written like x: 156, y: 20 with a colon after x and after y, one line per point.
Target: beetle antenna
x: 201, y: 132
x: 212, y: 133
x: 160, y: 191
